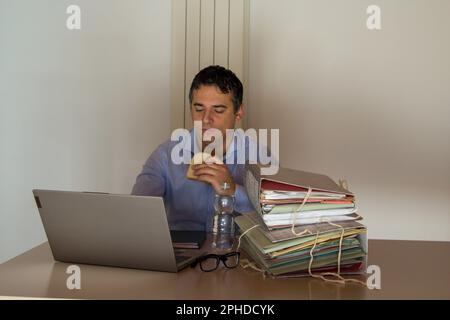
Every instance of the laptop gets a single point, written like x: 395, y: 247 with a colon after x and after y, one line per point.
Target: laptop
x: 109, y: 229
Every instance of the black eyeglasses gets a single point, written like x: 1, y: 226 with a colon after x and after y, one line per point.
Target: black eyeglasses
x: 210, y: 262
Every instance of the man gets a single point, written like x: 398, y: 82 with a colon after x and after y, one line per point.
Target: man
x: 215, y: 98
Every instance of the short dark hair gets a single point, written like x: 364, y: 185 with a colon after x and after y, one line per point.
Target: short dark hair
x: 224, y: 79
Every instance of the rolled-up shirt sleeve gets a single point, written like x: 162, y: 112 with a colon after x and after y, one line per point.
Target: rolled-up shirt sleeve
x: 243, y: 203
x: 151, y: 181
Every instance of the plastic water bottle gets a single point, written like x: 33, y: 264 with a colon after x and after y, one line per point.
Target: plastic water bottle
x: 223, y: 223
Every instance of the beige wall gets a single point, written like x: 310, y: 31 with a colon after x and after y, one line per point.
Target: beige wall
x: 369, y: 106
x: 80, y: 110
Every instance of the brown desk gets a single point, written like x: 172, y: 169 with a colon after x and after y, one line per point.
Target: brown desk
x: 409, y: 270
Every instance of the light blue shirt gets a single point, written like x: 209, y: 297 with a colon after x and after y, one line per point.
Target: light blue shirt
x: 189, y: 204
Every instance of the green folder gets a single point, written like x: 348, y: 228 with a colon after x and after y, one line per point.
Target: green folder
x: 348, y: 257
x: 257, y: 237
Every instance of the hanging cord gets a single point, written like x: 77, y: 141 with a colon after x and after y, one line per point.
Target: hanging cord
x: 322, y: 276
x: 343, y: 184
x: 297, y: 211
x: 245, y: 263
x: 340, y: 279
x: 243, y: 234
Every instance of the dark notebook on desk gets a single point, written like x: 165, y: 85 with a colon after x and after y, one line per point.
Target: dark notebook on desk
x: 187, y: 239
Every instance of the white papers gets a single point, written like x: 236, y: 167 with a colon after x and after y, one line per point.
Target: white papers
x: 309, y: 214
x: 278, y: 195
x: 303, y: 221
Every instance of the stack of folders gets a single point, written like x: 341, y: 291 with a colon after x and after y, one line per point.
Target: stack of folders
x: 281, y: 203
x: 292, y: 236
